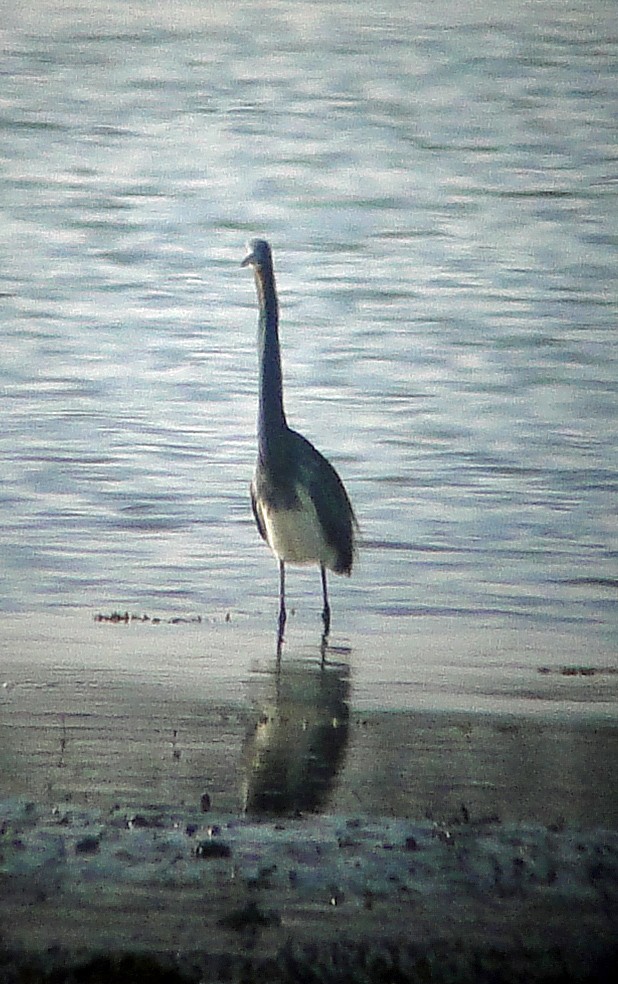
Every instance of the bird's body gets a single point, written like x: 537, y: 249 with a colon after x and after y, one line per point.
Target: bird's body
x: 302, y: 509
x: 300, y: 505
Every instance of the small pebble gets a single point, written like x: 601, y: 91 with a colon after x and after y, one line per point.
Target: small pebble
x: 138, y: 822
x: 212, y: 849
x: 87, y: 845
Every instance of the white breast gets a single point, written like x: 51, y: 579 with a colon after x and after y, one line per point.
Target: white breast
x: 295, y: 535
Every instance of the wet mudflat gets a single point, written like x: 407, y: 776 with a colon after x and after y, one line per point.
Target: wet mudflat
x: 437, y: 801
x: 162, y: 798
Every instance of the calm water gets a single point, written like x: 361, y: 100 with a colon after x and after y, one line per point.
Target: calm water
x: 439, y: 185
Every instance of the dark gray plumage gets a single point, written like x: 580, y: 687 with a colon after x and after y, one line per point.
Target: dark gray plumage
x: 300, y: 505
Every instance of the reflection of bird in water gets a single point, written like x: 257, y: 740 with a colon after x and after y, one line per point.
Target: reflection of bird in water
x: 295, y: 749
x: 299, y: 502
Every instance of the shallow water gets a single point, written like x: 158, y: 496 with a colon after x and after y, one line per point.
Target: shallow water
x: 142, y: 714
x: 439, y: 186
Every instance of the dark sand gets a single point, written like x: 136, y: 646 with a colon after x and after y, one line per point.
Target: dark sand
x: 433, y: 822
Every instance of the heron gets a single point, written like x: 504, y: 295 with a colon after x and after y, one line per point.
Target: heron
x: 299, y: 503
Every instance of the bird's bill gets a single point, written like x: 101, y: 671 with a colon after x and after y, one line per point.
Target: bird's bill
x: 248, y: 260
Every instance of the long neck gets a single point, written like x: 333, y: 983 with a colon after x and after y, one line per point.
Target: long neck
x: 271, y: 415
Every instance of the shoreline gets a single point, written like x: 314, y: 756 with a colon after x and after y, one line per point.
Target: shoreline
x: 467, y: 823
x: 192, y: 898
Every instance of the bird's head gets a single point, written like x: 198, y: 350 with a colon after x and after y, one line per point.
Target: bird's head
x: 259, y: 255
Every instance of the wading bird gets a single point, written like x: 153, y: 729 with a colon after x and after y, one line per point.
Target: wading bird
x: 300, y: 505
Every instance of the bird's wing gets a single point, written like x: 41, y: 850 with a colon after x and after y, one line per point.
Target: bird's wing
x: 257, y: 515
x: 331, y: 501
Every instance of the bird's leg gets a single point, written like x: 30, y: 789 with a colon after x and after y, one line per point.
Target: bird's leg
x: 326, y: 608
x: 282, y: 611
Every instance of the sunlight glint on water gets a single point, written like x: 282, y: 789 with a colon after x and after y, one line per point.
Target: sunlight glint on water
x: 440, y: 202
